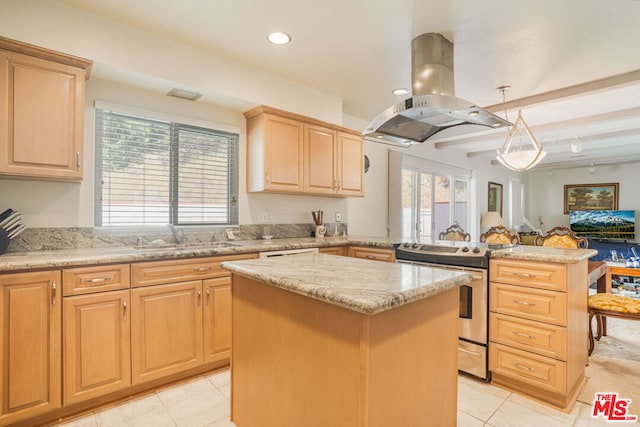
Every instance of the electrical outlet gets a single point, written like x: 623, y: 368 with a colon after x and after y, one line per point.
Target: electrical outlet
x: 264, y: 216
x: 338, y: 217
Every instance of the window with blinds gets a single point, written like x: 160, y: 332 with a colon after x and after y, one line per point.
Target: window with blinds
x: 152, y: 172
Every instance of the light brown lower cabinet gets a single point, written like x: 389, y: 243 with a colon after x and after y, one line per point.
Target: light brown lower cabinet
x: 31, y: 355
x: 166, y: 330
x: 217, y: 319
x: 97, y: 345
x: 334, y: 250
x: 378, y: 254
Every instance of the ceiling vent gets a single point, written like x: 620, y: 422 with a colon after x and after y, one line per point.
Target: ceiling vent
x: 184, y: 94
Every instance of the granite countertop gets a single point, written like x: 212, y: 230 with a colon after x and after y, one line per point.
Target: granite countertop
x: 539, y: 253
x: 16, y: 261
x: 365, y: 286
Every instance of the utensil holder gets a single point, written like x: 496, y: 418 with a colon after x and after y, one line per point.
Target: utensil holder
x: 321, y: 230
x: 4, y: 240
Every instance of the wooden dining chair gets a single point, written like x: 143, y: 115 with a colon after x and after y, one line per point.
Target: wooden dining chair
x: 455, y: 232
x: 601, y: 306
x: 500, y: 235
x: 562, y: 237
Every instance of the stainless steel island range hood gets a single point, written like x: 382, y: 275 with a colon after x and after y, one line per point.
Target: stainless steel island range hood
x: 433, y: 106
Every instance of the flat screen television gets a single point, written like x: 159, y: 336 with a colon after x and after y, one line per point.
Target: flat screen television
x: 605, y: 224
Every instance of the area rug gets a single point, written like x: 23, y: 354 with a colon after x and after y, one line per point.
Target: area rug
x: 614, y: 365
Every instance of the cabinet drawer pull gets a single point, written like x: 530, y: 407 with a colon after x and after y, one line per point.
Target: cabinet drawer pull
x: 208, y: 295
x: 520, y: 334
x: 371, y: 257
x: 202, y: 269
x: 524, y: 368
x: 124, y: 309
x: 530, y: 304
x: 527, y: 275
x: 53, y: 292
x: 96, y: 280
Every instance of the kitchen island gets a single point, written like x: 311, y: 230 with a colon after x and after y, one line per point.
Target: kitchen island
x: 323, y: 340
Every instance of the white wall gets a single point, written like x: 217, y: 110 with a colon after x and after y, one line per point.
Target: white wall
x: 545, y: 190
x: 71, y: 204
x: 160, y: 64
x: 156, y: 60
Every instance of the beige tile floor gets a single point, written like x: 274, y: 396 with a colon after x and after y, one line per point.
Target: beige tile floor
x: 204, y: 401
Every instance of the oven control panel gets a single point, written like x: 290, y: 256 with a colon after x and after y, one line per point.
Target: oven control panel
x: 461, y: 249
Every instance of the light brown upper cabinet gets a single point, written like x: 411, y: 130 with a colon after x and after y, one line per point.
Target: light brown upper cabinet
x: 41, y: 111
x: 333, y: 162
x: 350, y: 165
x: 320, y: 155
x: 274, y: 154
x: 290, y: 153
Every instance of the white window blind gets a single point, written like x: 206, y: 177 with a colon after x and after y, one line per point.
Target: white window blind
x: 154, y: 172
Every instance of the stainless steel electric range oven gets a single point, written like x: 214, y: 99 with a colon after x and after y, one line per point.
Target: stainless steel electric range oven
x: 472, y: 258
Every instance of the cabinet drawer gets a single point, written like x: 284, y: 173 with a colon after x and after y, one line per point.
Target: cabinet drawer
x: 529, y: 303
x: 532, y: 274
x: 173, y: 271
x: 541, y: 338
x: 538, y: 371
x: 375, y: 254
x: 99, y: 278
x: 332, y: 250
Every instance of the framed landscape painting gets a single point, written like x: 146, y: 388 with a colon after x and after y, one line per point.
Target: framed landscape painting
x: 593, y: 197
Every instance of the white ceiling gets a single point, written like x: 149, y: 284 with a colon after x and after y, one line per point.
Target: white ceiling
x: 546, y: 50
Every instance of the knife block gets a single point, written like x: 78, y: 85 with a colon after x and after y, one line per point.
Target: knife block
x: 4, y: 240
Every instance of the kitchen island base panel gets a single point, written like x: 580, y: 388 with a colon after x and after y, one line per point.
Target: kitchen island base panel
x: 557, y: 401
x: 299, y: 361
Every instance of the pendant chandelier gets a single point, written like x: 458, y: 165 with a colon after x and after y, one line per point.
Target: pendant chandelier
x: 521, y: 150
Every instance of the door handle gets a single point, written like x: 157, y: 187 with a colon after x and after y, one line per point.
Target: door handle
x: 199, y: 296
x: 208, y: 295
x: 53, y: 292
x: 124, y: 309
x: 467, y: 351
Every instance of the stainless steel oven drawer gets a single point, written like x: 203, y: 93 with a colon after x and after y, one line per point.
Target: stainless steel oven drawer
x: 472, y: 359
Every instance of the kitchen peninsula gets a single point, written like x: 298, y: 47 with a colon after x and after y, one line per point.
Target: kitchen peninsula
x: 328, y: 340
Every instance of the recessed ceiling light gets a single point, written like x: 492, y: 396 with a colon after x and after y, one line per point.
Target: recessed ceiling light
x: 400, y: 91
x: 278, y: 37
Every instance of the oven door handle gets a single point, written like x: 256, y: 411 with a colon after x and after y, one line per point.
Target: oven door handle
x: 469, y: 351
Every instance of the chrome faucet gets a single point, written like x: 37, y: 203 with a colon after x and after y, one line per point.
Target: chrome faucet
x: 178, y: 234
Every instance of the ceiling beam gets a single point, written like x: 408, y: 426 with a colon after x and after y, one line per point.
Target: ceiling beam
x: 619, y: 80
x: 593, y: 137
x: 548, y: 127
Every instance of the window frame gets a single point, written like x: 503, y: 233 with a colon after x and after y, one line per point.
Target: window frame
x: 176, y: 124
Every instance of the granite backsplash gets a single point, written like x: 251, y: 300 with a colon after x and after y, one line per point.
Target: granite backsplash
x: 38, y: 239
